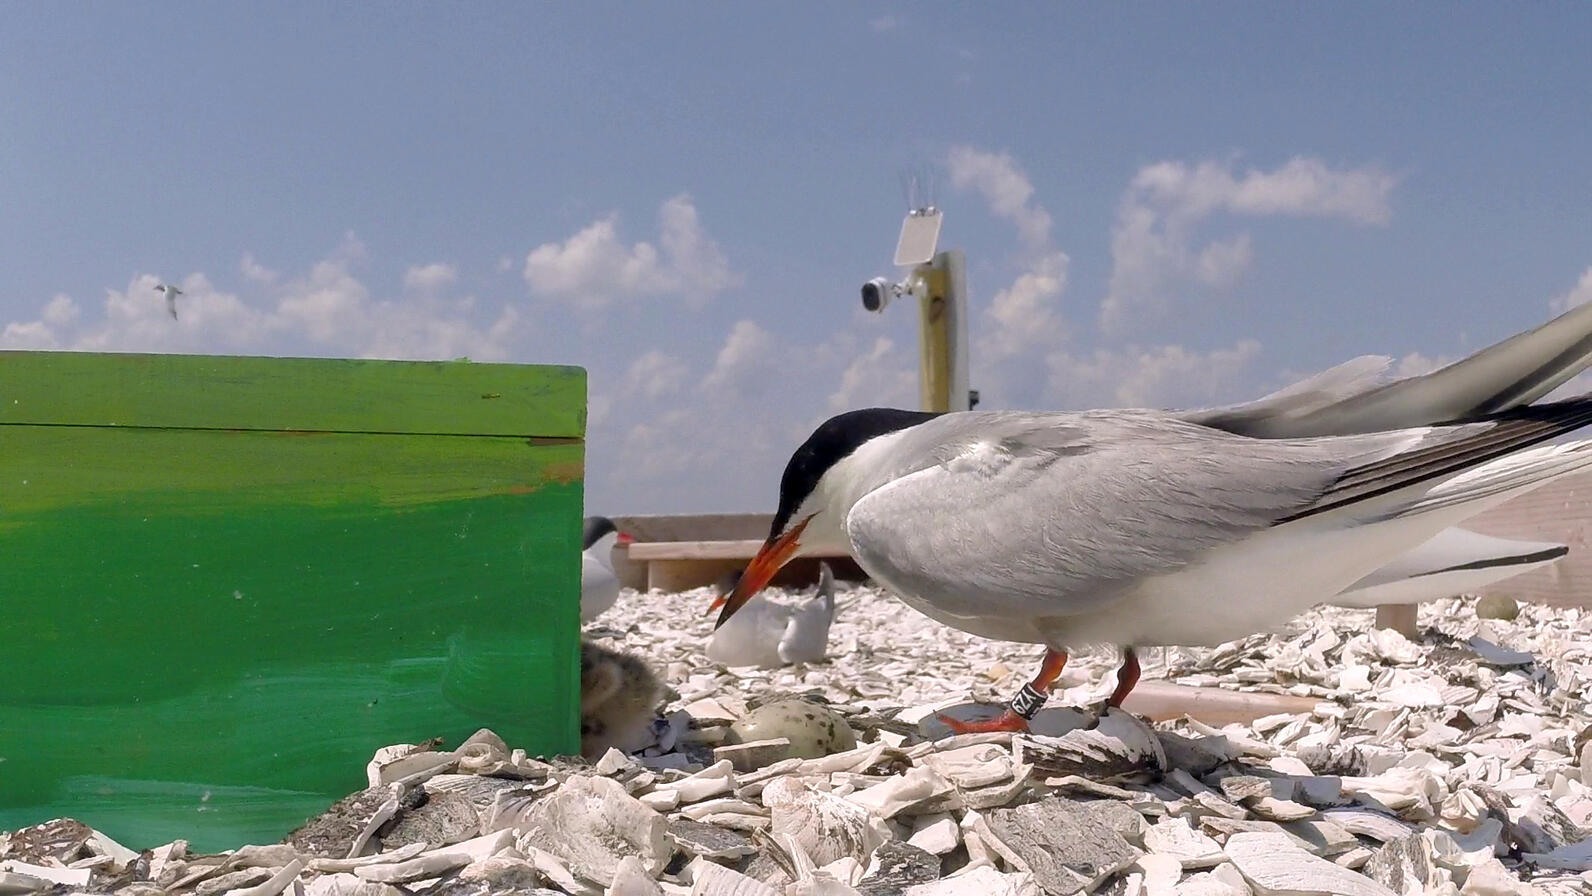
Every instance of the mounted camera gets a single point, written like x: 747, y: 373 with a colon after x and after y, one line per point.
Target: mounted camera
x: 877, y: 293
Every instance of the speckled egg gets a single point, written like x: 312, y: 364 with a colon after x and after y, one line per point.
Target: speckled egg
x: 813, y: 729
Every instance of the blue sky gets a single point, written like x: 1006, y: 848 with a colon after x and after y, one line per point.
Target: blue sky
x: 1161, y: 204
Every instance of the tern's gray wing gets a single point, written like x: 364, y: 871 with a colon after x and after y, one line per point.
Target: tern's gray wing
x: 1044, y: 515
x: 1510, y: 374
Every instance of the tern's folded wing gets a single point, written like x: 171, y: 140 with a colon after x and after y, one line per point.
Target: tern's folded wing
x: 1004, y: 529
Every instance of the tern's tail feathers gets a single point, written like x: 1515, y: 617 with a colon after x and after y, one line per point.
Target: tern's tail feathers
x: 1514, y: 372
x: 1456, y: 561
x: 1297, y: 410
x: 1350, y: 399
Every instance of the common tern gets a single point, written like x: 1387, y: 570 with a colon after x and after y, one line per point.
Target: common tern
x: 171, y: 292
x: 599, y: 587
x: 768, y: 634
x: 1136, y: 527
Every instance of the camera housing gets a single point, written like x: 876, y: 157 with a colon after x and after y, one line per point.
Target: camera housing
x: 877, y: 293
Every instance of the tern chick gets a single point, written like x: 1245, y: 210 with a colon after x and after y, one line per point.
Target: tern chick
x: 619, y: 696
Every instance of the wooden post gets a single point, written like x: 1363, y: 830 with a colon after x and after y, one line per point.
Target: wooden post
x: 1398, y: 617
x: 942, y: 334
x: 934, y: 344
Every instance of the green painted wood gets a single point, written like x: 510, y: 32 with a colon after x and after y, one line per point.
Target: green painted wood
x: 207, y: 632
x: 304, y: 394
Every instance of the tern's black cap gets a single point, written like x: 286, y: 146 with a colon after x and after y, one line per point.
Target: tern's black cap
x: 596, y: 527
x: 832, y: 441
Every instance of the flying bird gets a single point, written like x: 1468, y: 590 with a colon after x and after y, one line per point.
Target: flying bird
x: 1136, y: 527
x: 172, y: 293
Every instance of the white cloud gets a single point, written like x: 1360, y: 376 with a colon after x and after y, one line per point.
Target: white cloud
x: 1302, y: 186
x: 1024, y: 316
x: 430, y: 278
x: 61, y: 311
x: 1005, y: 188
x: 255, y: 271
x: 1152, y: 241
x: 1024, y: 320
x: 881, y: 375
x: 594, y: 268
x: 655, y: 374
x: 1579, y: 294
x: 883, y: 23
x: 720, y: 439
x: 33, y: 335
x: 328, y: 307
x: 746, y: 358
x: 329, y: 302
x: 1222, y: 263
x: 1162, y: 376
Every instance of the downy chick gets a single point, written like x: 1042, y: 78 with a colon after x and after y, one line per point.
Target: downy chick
x: 619, y: 696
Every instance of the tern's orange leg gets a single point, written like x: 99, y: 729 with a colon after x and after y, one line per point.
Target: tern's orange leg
x: 1127, y: 677
x: 1023, y: 706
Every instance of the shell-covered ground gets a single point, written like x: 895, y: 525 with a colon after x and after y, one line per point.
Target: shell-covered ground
x: 1457, y: 763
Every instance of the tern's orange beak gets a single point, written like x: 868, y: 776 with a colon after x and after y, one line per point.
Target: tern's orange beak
x: 626, y: 538
x: 773, y: 555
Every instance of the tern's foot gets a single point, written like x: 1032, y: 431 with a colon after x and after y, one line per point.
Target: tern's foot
x: 1006, y: 721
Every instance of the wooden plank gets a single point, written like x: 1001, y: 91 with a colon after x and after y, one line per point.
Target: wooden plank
x: 740, y: 549
x: 694, y: 526
x: 292, y: 394
x: 743, y: 549
x: 684, y: 575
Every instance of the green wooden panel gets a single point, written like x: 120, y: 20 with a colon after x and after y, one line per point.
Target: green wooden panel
x: 208, y: 631
x: 307, y: 394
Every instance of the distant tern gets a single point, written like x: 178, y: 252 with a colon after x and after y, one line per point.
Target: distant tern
x: 172, y: 293
x: 1137, y: 528
x: 599, y: 587
x: 767, y: 634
